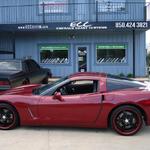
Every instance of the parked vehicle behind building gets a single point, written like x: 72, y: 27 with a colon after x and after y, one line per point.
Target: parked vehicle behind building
x: 20, y: 72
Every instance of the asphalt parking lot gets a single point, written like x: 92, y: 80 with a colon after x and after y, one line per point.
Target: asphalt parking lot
x: 48, y: 138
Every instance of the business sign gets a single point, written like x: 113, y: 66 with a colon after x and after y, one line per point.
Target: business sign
x: 132, y: 25
x: 54, y: 47
x: 32, y: 27
x: 104, y: 25
x: 78, y: 25
x: 99, y: 46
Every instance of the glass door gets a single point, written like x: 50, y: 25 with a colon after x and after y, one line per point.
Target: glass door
x: 82, y: 59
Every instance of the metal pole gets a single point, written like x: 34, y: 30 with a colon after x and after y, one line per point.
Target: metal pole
x: 145, y: 13
x: 134, y: 53
x: 14, y: 44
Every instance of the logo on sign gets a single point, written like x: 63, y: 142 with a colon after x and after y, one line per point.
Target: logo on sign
x: 80, y: 24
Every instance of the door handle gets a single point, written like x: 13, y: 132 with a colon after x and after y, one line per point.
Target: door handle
x: 103, y: 97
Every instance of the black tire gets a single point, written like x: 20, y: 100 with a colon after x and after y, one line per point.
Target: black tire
x: 9, y: 118
x: 45, y: 81
x: 126, y: 120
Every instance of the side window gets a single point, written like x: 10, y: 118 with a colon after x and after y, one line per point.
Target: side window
x: 113, y: 84
x: 28, y: 66
x: 25, y: 67
x: 54, y: 6
x: 32, y: 66
x: 35, y: 65
x: 118, y: 84
x: 79, y: 87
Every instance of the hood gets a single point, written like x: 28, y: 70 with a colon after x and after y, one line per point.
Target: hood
x: 9, y: 73
x: 21, y: 90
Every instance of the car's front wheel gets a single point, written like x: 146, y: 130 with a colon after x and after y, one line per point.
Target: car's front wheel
x: 8, y: 117
x: 126, y: 120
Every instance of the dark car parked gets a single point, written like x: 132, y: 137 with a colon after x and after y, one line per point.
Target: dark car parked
x: 20, y: 72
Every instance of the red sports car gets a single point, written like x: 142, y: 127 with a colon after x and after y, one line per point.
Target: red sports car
x: 93, y: 100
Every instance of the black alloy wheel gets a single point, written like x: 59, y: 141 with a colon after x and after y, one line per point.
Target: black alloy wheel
x: 8, y: 117
x: 126, y: 120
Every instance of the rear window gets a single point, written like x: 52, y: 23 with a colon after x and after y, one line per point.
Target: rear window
x: 118, y: 84
x: 10, y: 65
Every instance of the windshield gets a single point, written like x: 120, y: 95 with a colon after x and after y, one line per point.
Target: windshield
x: 44, y: 88
x: 10, y: 65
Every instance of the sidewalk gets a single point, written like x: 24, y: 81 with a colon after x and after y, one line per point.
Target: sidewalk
x: 52, y: 138
x: 137, y: 79
x: 53, y: 79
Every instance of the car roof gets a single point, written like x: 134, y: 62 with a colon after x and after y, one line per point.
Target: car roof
x: 88, y: 74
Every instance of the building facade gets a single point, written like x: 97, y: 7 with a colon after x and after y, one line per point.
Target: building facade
x: 148, y: 48
x: 76, y: 36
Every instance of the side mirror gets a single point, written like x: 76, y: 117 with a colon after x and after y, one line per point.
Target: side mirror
x: 58, y: 96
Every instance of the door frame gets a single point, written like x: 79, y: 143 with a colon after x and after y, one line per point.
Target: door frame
x: 76, y: 56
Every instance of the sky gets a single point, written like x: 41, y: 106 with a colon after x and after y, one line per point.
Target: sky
x: 148, y: 32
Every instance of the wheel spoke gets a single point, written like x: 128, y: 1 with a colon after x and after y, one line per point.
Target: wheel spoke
x: 126, y: 121
x: 6, y: 117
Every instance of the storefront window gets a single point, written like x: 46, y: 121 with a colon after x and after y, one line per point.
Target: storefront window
x: 54, y: 54
x: 111, y: 54
x: 111, y: 5
x: 53, y: 6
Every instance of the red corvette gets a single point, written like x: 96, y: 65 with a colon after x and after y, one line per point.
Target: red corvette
x: 94, y: 100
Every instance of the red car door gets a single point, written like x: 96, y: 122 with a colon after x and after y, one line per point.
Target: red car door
x: 74, y: 109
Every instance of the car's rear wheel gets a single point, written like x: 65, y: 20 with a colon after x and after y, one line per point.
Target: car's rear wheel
x: 8, y: 117
x: 126, y: 120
